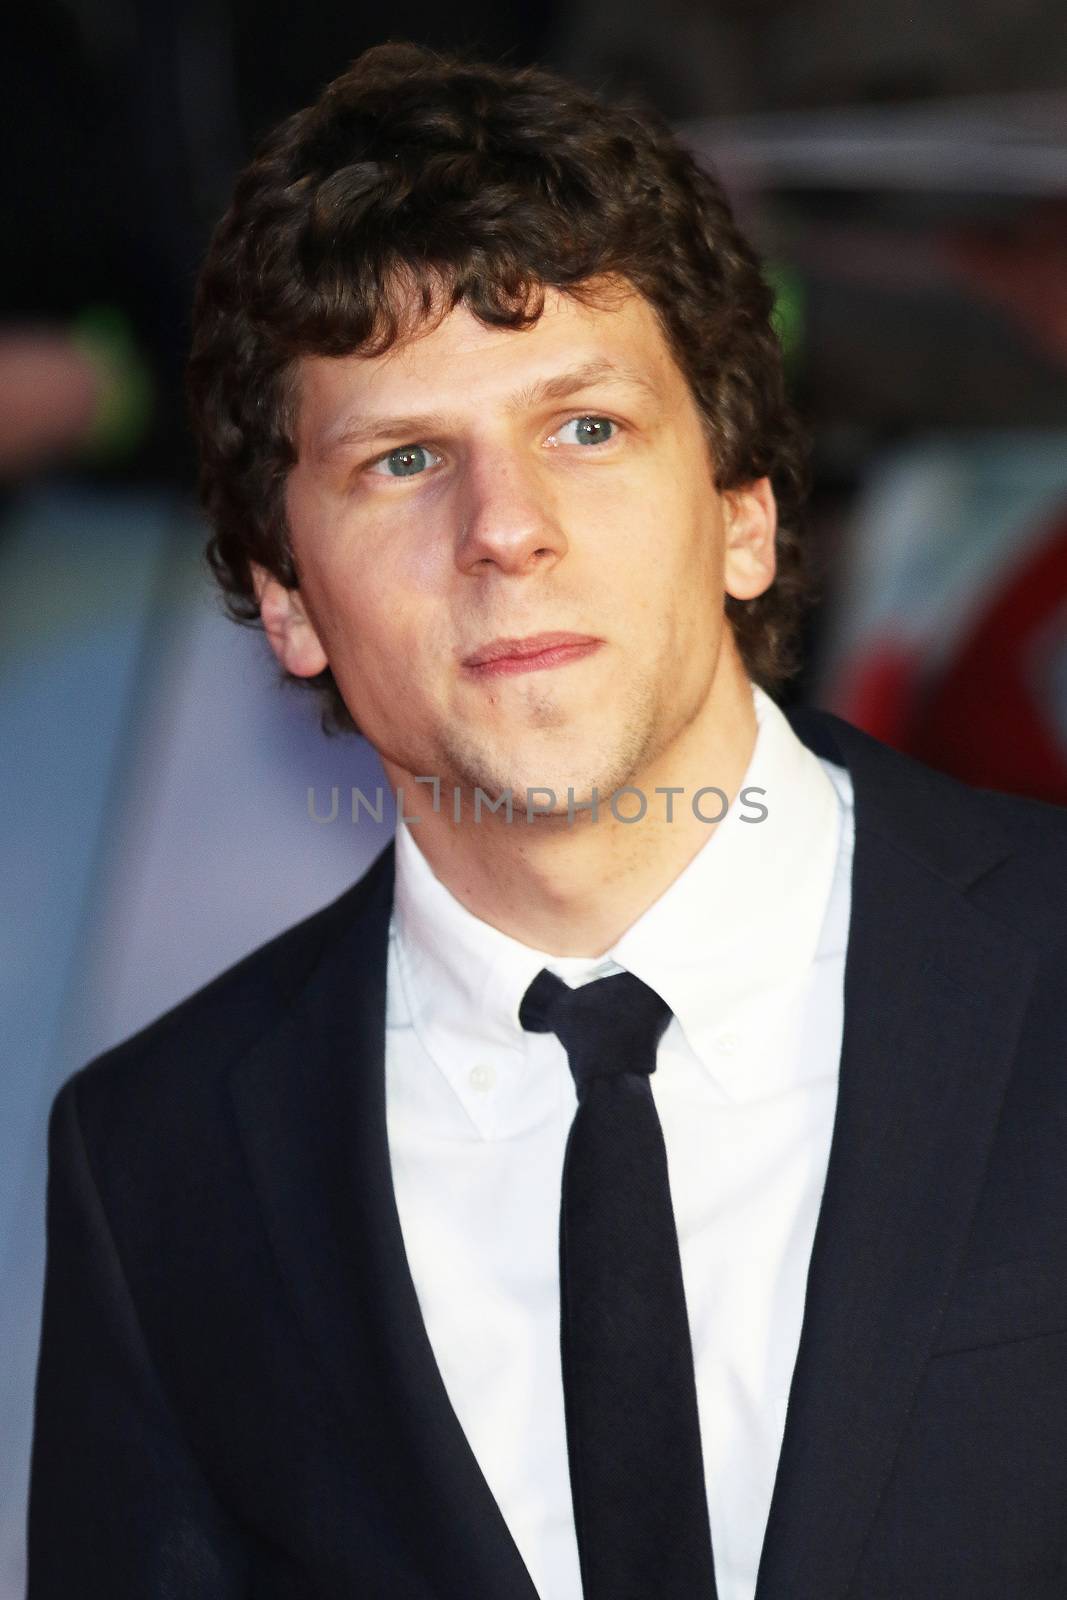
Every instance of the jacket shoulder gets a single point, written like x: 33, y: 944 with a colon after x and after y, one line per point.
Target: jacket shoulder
x: 1007, y: 852
x: 1028, y: 887
x: 194, y: 1042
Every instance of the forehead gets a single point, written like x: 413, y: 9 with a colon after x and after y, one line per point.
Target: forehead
x: 458, y: 365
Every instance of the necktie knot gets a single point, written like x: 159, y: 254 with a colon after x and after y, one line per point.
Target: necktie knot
x: 607, y: 1027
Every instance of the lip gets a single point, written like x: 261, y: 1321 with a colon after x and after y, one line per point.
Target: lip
x: 533, y: 654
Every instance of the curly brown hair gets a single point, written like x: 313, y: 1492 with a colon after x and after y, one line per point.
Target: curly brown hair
x: 420, y: 180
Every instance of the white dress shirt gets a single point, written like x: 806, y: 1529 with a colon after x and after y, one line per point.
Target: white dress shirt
x: 747, y: 947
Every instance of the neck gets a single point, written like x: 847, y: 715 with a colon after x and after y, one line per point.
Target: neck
x: 572, y: 888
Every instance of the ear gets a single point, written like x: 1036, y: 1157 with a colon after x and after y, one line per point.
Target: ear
x: 287, y: 625
x: 750, y: 516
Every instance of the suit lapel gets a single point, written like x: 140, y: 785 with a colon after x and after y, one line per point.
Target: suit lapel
x: 311, y: 1108
x: 934, y: 997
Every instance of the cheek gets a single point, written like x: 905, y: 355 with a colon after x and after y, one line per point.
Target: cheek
x: 366, y: 600
x: 694, y: 605
x: 382, y: 640
x: 379, y: 645
x: 377, y: 669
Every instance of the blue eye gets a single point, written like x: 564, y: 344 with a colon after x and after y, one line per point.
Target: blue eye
x: 409, y: 460
x: 591, y: 430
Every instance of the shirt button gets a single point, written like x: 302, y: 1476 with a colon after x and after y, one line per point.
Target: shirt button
x: 482, y: 1078
x: 727, y: 1042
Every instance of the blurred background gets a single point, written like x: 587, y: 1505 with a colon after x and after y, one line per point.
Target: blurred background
x: 904, y: 170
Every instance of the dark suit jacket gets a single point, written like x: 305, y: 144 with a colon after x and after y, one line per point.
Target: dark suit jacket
x: 236, y: 1392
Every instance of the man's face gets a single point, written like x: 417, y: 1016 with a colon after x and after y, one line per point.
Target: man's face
x: 477, y: 485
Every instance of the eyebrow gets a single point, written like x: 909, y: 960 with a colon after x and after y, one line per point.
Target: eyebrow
x: 362, y: 430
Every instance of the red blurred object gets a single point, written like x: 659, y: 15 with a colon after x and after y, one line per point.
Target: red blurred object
x: 989, y: 718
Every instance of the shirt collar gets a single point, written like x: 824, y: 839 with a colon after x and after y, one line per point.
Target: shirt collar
x: 745, y: 914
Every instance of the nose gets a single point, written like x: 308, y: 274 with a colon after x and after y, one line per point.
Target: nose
x: 509, y: 521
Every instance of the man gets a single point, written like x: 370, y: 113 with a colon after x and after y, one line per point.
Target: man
x: 557, y: 1213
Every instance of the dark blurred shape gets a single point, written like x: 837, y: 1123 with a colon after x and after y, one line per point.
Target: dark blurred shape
x: 283, y: 56
x: 1021, y: 268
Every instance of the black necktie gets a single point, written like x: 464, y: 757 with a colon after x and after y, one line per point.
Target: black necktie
x: 633, y: 1436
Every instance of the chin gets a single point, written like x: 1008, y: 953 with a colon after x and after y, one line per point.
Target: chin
x: 580, y: 762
